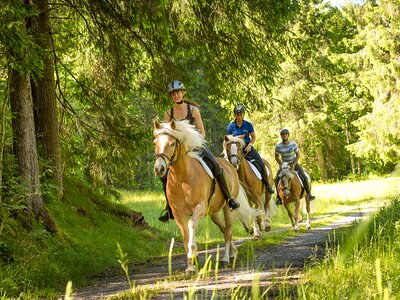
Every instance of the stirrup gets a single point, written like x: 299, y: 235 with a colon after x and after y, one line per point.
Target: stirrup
x: 165, y: 217
x: 233, y: 204
x: 311, y: 197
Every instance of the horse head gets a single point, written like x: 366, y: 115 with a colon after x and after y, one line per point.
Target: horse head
x: 167, y: 148
x: 286, y: 176
x: 173, y: 140
x: 233, y: 150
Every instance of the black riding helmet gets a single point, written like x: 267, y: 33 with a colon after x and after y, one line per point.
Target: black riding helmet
x: 175, y: 85
x: 239, y: 110
x: 284, y: 130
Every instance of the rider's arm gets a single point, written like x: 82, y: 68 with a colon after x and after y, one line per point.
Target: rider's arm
x: 296, y: 159
x: 252, y: 141
x: 167, y: 116
x: 278, y: 158
x: 198, y: 121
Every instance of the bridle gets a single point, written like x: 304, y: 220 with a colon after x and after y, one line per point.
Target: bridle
x: 286, y: 188
x: 169, y: 161
x: 240, y: 159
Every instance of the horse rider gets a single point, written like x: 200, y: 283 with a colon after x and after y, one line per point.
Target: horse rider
x: 188, y: 110
x: 244, y: 129
x: 288, y: 151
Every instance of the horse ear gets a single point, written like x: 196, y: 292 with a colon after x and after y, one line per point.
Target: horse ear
x: 173, y: 125
x: 226, y: 138
x: 156, y: 124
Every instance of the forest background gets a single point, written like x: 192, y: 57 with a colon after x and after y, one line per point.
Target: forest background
x: 81, y: 82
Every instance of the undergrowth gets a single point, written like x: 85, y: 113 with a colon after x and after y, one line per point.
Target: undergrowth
x: 36, y: 264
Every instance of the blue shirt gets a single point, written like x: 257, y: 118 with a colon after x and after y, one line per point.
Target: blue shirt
x: 245, y: 129
x: 287, y: 152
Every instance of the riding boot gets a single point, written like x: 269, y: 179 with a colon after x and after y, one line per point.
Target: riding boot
x: 310, y: 196
x: 270, y: 189
x: 232, y: 202
x: 168, y: 212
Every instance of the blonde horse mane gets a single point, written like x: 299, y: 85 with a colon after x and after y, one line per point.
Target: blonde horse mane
x: 184, y: 132
x: 233, y: 139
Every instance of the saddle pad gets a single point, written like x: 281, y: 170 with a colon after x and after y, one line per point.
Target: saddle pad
x: 298, y: 176
x: 301, y: 181
x: 254, y: 168
x: 206, y: 168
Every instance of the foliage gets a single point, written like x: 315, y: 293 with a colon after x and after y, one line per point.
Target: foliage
x: 35, y: 264
x: 364, y: 264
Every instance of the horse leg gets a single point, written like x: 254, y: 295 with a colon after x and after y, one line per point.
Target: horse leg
x: 182, y: 223
x: 198, y: 212
x: 228, y: 215
x: 296, y: 215
x: 217, y: 221
x: 308, y: 214
x: 286, y: 204
x: 268, y: 212
x: 261, y: 219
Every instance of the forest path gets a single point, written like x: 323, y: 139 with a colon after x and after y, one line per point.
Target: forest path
x: 271, y: 267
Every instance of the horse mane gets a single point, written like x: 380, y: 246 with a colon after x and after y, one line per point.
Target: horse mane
x: 184, y: 132
x: 234, y: 139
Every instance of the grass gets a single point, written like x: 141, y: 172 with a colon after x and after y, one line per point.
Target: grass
x: 94, y: 240
x: 364, y: 265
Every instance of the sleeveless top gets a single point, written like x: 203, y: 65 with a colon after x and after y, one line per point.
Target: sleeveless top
x: 189, y: 115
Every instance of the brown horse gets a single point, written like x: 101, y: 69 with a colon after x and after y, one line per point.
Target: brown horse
x: 191, y: 191
x: 291, y: 190
x: 254, y: 187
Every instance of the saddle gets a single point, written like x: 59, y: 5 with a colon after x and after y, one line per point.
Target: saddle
x: 206, y: 165
x: 256, y: 167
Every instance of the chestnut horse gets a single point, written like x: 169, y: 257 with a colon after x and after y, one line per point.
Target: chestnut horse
x: 254, y: 186
x: 191, y: 191
x: 290, y: 190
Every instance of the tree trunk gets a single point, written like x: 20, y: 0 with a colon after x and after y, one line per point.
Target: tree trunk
x: 44, y: 95
x: 24, y: 139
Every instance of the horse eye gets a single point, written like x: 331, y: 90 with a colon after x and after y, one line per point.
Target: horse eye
x: 173, y: 144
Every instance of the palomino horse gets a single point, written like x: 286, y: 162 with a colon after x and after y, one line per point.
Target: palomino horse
x: 254, y: 187
x: 291, y: 190
x: 190, y: 190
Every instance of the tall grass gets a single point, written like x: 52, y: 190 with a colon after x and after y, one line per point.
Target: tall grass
x: 364, y: 265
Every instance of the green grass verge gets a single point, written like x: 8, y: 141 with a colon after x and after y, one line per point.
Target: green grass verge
x: 37, y: 265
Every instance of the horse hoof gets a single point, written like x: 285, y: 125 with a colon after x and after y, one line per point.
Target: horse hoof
x: 223, y: 264
x: 190, y: 270
x: 256, y: 237
x: 296, y: 229
x: 309, y: 227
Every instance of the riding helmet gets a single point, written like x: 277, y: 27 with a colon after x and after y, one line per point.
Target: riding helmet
x: 284, y: 130
x: 238, y: 110
x: 175, y: 85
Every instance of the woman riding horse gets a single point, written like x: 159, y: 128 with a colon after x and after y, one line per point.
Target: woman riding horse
x: 254, y: 187
x: 245, y: 130
x: 188, y: 110
x: 191, y: 190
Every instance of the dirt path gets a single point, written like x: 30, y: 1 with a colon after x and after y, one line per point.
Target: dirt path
x: 271, y: 266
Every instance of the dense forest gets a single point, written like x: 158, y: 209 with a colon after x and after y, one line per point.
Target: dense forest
x: 81, y: 82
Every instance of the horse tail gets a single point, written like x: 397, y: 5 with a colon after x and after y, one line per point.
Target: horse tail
x: 245, y: 212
